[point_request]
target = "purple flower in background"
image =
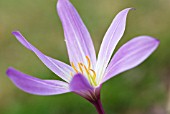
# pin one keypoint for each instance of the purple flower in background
(85, 75)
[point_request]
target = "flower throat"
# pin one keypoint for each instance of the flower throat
(86, 71)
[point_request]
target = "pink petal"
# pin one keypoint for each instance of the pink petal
(77, 37)
(36, 86)
(111, 38)
(59, 68)
(130, 55)
(82, 87)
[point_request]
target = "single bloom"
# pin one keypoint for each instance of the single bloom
(85, 74)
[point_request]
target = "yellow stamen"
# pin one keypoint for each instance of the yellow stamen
(72, 64)
(80, 67)
(94, 73)
(85, 70)
(89, 62)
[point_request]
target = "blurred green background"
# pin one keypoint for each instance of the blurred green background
(142, 90)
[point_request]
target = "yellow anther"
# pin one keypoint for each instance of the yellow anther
(94, 73)
(80, 67)
(87, 71)
(72, 64)
(89, 62)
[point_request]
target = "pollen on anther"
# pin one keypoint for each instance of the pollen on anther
(89, 62)
(72, 64)
(80, 67)
(94, 73)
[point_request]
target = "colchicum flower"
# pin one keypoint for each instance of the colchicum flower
(85, 75)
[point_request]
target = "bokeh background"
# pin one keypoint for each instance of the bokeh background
(142, 90)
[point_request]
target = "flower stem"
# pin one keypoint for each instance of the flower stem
(99, 106)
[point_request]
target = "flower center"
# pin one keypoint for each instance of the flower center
(86, 71)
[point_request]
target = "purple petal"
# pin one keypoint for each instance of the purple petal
(82, 87)
(36, 86)
(77, 37)
(79, 83)
(130, 55)
(59, 68)
(111, 38)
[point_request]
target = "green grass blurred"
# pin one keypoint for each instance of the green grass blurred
(142, 90)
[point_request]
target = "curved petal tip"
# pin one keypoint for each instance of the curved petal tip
(36, 86)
